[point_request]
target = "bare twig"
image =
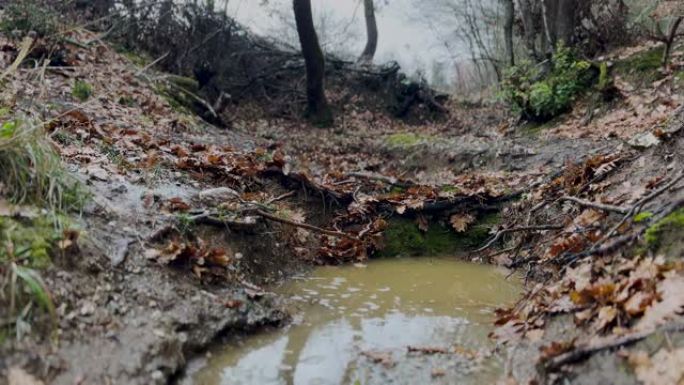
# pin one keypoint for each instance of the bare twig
(382, 178)
(152, 64)
(595, 205)
(583, 352)
(516, 230)
(639, 205)
(274, 218)
(281, 197)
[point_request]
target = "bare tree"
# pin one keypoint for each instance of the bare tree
(318, 109)
(371, 33)
(663, 25)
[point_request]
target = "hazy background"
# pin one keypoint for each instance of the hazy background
(407, 35)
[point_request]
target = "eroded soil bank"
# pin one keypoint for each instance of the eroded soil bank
(187, 223)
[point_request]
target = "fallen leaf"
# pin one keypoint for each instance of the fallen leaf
(460, 222)
(666, 367)
(606, 315)
(18, 376)
(638, 303)
(671, 303)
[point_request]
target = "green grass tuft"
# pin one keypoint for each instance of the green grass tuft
(81, 90)
(642, 68)
(406, 139)
(31, 172)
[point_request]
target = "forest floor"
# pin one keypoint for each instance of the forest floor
(184, 224)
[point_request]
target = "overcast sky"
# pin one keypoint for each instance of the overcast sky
(403, 37)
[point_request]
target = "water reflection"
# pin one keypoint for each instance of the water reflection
(383, 309)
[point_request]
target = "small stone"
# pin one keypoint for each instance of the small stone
(644, 140)
(87, 309)
(157, 375)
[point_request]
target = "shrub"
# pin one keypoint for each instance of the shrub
(542, 96)
(29, 15)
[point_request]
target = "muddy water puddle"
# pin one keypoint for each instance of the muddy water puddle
(398, 321)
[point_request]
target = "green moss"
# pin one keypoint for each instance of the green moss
(643, 217)
(667, 235)
(29, 241)
(604, 79)
(137, 58)
(406, 139)
(643, 67)
(450, 189)
(404, 238)
(81, 90)
(127, 101)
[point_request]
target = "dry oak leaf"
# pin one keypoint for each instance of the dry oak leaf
(461, 222)
(18, 376)
(637, 303)
(670, 305)
(665, 368)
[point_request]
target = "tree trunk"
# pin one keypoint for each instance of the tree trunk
(509, 15)
(371, 33)
(529, 30)
(549, 15)
(318, 110)
(565, 21)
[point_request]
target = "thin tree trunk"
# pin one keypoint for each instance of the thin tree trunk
(371, 33)
(318, 109)
(509, 15)
(670, 39)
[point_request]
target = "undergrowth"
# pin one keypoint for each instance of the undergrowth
(35, 194)
(540, 96)
(29, 16)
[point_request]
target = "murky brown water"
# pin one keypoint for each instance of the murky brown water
(354, 325)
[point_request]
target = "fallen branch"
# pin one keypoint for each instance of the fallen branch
(382, 178)
(600, 248)
(589, 349)
(279, 198)
(595, 205)
(515, 230)
(305, 226)
(638, 206)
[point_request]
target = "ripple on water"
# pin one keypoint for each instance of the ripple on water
(358, 323)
